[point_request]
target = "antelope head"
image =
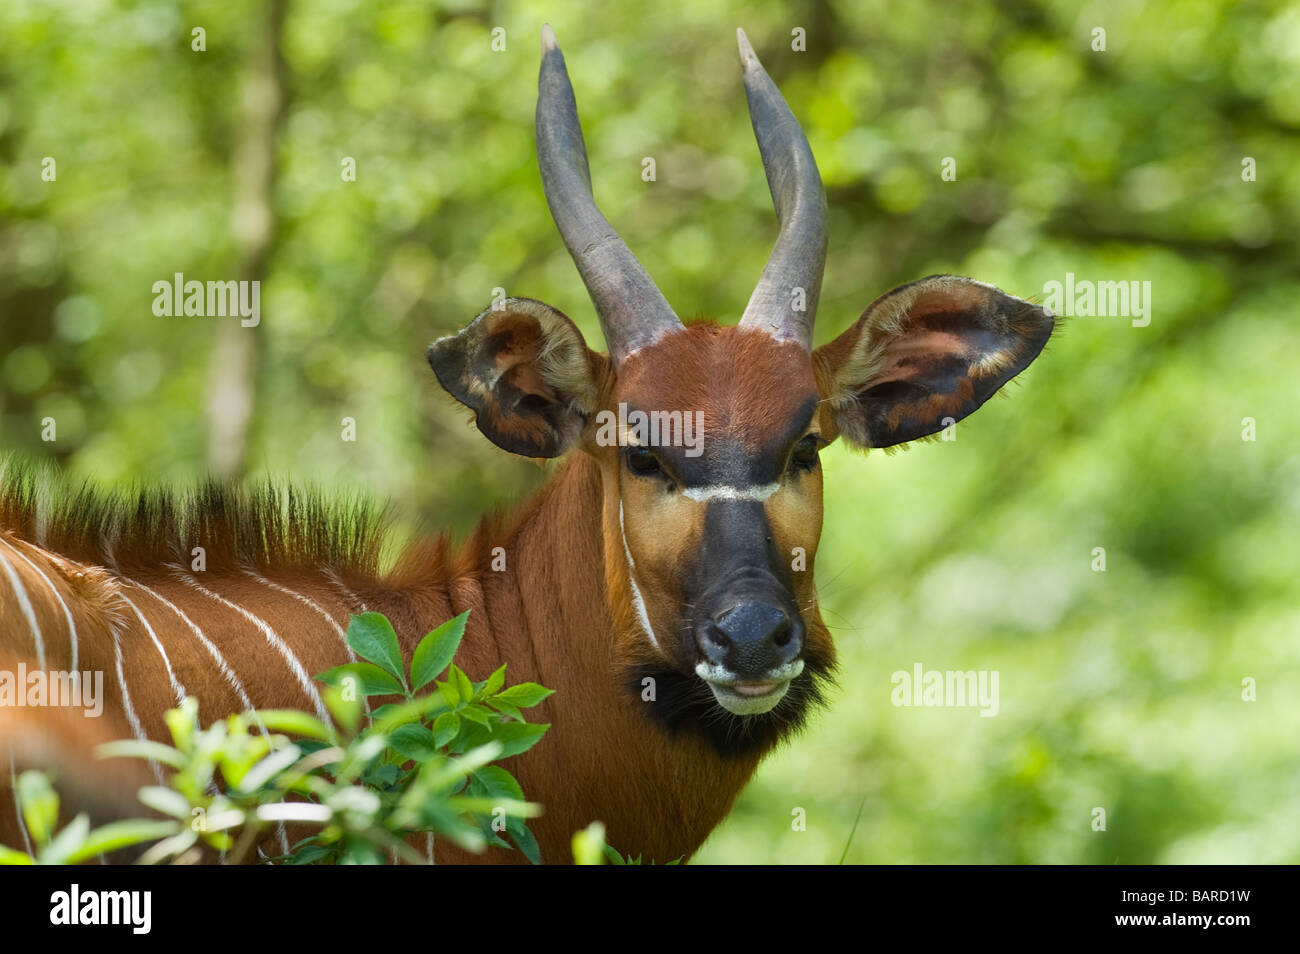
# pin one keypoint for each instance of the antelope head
(711, 530)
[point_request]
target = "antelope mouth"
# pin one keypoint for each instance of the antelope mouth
(752, 696)
(749, 698)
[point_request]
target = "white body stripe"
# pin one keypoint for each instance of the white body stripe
(220, 660)
(637, 602)
(131, 716)
(167, 663)
(348, 596)
(67, 613)
(25, 604)
(728, 492)
(304, 681)
(343, 636)
(224, 668)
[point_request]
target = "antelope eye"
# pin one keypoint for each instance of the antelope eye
(641, 460)
(805, 453)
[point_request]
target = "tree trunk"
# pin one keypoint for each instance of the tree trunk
(233, 387)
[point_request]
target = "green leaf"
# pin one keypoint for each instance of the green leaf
(141, 749)
(182, 722)
(165, 800)
(479, 803)
(464, 688)
(170, 847)
(219, 840)
(268, 768)
(344, 707)
(525, 842)
(450, 694)
(505, 709)
(435, 775)
(452, 827)
(493, 683)
(384, 776)
(413, 711)
(516, 737)
(471, 737)
(66, 842)
(371, 680)
(477, 713)
(436, 651)
(123, 834)
(10, 857)
(358, 852)
(237, 759)
(525, 695)
(365, 749)
(295, 723)
(372, 637)
(413, 741)
(614, 857)
(445, 728)
(310, 855)
(496, 782)
(589, 845)
(40, 806)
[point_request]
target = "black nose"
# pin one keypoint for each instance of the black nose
(750, 638)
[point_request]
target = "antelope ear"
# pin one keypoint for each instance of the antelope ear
(526, 372)
(926, 355)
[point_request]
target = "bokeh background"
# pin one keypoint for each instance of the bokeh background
(1119, 689)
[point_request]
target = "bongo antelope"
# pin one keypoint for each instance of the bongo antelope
(666, 596)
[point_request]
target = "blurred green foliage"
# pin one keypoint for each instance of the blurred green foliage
(1119, 689)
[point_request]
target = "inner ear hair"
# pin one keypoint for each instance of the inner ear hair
(526, 372)
(927, 353)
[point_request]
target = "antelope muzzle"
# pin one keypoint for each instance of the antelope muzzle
(747, 632)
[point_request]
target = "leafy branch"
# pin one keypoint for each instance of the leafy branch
(420, 765)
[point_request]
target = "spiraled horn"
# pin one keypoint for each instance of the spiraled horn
(633, 312)
(799, 256)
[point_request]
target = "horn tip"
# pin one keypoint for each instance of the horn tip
(747, 55)
(549, 42)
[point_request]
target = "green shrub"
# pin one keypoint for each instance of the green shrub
(365, 783)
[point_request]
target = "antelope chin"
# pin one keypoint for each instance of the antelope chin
(749, 698)
(752, 696)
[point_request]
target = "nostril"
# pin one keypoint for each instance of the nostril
(713, 634)
(713, 642)
(755, 624)
(783, 631)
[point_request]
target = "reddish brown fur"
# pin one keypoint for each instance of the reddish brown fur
(603, 760)
(559, 614)
(750, 387)
(746, 384)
